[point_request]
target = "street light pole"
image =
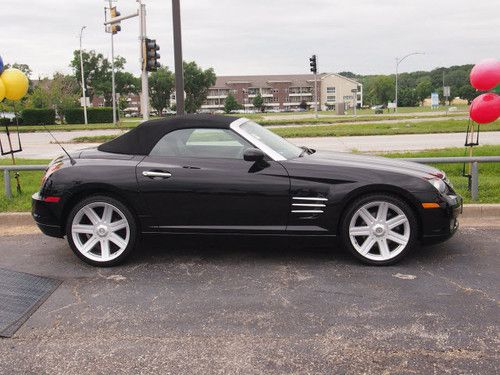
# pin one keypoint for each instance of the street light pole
(179, 69)
(83, 79)
(398, 61)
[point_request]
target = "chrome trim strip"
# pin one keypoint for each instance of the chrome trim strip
(310, 199)
(236, 127)
(309, 204)
(307, 211)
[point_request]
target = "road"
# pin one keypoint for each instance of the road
(221, 306)
(39, 146)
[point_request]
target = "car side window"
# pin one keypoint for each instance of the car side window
(201, 143)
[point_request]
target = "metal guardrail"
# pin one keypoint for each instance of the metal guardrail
(8, 168)
(475, 160)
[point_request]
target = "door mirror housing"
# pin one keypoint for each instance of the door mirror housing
(253, 154)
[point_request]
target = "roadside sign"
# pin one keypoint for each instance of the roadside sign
(434, 99)
(446, 91)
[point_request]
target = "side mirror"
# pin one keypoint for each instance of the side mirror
(253, 154)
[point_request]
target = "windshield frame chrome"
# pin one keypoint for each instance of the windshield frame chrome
(236, 127)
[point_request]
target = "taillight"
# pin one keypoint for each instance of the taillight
(50, 170)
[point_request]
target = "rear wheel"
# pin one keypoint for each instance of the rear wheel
(101, 231)
(379, 229)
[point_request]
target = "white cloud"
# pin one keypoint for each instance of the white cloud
(252, 37)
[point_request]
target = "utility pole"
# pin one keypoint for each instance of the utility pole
(144, 72)
(83, 79)
(179, 69)
(113, 90)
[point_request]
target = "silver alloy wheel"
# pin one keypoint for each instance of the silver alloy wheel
(379, 231)
(100, 231)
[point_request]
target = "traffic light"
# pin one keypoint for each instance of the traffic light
(313, 64)
(151, 55)
(115, 27)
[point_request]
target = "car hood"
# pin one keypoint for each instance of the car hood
(345, 159)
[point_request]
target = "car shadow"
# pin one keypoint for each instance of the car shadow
(160, 249)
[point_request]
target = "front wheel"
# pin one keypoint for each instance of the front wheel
(379, 229)
(101, 231)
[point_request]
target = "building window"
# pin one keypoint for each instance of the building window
(276, 91)
(330, 98)
(330, 90)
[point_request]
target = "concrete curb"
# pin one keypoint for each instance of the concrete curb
(490, 212)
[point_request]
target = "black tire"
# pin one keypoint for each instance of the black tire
(132, 237)
(379, 197)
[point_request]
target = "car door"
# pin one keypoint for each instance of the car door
(195, 180)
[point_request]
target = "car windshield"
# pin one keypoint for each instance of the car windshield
(272, 140)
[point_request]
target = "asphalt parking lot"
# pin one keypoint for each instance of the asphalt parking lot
(213, 306)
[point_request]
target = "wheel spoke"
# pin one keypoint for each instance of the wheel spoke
(105, 252)
(91, 214)
(107, 214)
(366, 216)
(367, 245)
(83, 229)
(117, 225)
(396, 221)
(120, 242)
(382, 211)
(396, 237)
(89, 245)
(359, 231)
(384, 248)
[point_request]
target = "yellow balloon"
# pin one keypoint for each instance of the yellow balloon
(2, 90)
(16, 83)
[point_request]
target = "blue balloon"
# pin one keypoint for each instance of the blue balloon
(1, 65)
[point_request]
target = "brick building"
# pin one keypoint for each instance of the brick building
(285, 92)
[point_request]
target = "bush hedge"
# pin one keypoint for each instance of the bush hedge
(5, 121)
(36, 116)
(101, 115)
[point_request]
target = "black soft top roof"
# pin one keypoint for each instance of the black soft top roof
(142, 139)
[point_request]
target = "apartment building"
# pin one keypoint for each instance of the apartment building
(285, 92)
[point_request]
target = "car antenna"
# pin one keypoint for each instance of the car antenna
(72, 161)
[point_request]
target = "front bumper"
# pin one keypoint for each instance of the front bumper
(440, 224)
(46, 216)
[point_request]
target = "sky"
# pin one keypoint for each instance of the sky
(260, 36)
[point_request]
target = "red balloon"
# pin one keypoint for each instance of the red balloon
(485, 75)
(485, 108)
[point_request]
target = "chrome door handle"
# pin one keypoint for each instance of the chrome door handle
(153, 174)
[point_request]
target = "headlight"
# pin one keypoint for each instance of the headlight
(438, 184)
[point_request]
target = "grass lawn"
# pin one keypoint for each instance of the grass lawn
(489, 177)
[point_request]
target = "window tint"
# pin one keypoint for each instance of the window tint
(201, 143)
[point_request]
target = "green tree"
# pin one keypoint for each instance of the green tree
(381, 89)
(467, 92)
(258, 102)
(97, 72)
(407, 98)
(196, 84)
(64, 93)
(231, 104)
(161, 85)
(126, 83)
(39, 98)
(424, 89)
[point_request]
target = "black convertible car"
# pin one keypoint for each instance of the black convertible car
(203, 174)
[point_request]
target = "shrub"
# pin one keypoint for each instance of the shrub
(94, 115)
(35, 116)
(100, 115)
(4, 121)
(74, 116)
